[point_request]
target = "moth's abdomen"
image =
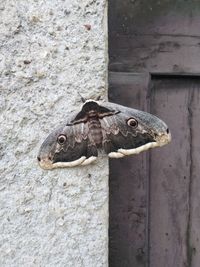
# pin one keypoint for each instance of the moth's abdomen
(95, 131)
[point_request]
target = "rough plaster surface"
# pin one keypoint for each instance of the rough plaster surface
(47, 56)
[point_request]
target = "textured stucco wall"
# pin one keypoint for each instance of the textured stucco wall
(47, 56)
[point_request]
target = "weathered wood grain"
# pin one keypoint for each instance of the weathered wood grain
(194, 201)
(158, 37)
(154, 36)
(128, 184)
(170, 175)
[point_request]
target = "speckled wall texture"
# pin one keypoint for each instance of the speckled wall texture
(49, 52)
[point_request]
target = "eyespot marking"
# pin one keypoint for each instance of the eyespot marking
(61, 139)
(132, 122)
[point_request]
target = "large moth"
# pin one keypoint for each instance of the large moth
(110, 128)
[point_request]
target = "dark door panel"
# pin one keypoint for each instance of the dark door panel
(128, 241)
(154, 200)
(175, 173)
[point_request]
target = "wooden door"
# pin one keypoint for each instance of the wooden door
(155, 196)
(154, 65)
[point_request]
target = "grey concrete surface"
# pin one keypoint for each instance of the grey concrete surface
(49, 52)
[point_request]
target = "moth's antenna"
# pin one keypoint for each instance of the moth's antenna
(82, 98)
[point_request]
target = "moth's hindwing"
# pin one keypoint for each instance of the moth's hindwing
(75, 150)
(117, 130)
(132, 131)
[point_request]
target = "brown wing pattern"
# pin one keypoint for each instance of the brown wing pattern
(75, 150)
(119, 130)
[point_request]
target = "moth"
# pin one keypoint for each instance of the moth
(108, 128)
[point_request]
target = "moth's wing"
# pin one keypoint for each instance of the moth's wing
(76, 150)
(120, 139)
